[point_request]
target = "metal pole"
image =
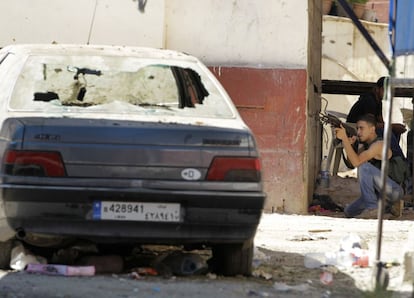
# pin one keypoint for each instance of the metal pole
(365, 33)
(381, 273)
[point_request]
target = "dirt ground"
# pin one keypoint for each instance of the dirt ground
(344, 189)
(323, 234)
(282, 244)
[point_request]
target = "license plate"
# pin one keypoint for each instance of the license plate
(160, 212)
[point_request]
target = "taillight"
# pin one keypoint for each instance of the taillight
(33, 163)
(234, 169)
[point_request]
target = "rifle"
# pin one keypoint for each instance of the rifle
(336, 122)
(350, 132)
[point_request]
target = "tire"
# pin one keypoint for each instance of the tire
(5, 253)
(233, 259)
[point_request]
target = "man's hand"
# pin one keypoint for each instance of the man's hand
(340, 132)
(342, 135)
(352, 139)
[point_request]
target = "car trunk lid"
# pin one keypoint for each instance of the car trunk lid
(132, 149)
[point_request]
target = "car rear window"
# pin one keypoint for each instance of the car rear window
(116, 85)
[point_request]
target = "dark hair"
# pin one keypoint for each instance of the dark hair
(369, 118)
(380, 82)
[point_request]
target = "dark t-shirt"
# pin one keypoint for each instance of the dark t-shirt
(366, 104)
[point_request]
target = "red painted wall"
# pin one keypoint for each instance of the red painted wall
(273, 104)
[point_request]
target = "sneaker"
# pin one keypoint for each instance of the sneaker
(372, 214)
(397, 209)
(368, 214)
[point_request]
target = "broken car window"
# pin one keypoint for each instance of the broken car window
(82, 84)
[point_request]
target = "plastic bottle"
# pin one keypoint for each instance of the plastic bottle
(358, 247)
(318, 259)
(343, 259)
(351, 241)
(362, 258)
(324, 172)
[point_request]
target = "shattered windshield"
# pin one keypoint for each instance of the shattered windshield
(109, 84)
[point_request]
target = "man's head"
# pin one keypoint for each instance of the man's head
(366, 126)
(379, 88)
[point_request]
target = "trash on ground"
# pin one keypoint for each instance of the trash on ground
(259, 273)
(351, 241)
(351, 252)
(325, 203)
(54, 269)
(21, 257)
(392, 264)
(317, 209)
(320, 231)
(358, 248)
(342, 259)
(326, 277)
(331, 269)
(181, 263)
(135, 275)
(282, 287)
(211, 275)
(307, 237)
(138, 272)
(259, 257)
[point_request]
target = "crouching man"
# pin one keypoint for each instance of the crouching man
(368, 162)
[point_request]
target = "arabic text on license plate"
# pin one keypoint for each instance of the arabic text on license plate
(162, 212)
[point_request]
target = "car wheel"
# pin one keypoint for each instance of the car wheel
(233, 259)
(5, 253)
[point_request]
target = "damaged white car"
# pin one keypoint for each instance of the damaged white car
(120, 145)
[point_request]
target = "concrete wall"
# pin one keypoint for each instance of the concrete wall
(81, 21)
(240, 33)
(265, 53)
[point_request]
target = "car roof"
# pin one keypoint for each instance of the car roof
(76, 49)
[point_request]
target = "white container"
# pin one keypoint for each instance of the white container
(318, 259)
